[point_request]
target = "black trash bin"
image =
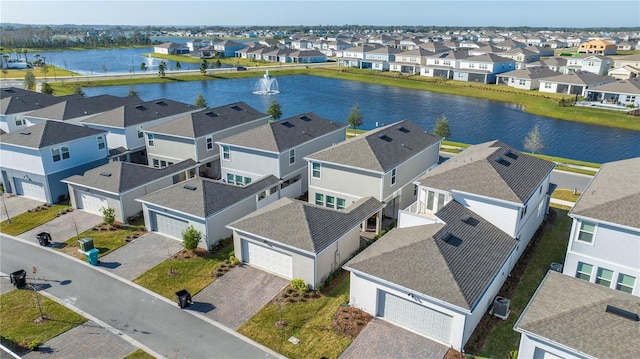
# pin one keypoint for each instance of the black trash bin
(184, 298)
(19, 278)
(44, 238)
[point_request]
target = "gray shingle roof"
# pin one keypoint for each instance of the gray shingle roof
(456, 271)
(491, 58)
(208, 197)
(379, 150)
(80, 107)
(284, 134)
(580, 78)
(48, 133)
(24, 101)
(209, 120)
(572, 312)
(139, 112)
(533, 72)
(476, 170)
(118, 177)
(305, 225)
(13, 91)
(629, 86)
(613, 195)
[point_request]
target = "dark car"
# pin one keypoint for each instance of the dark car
(241, 68)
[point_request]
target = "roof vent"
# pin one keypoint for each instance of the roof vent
(623, 313)
(404, 130)
(287, 124)
(141, 108)
(237, 108)
(105, 174)
(510, 154)
(25, 133)
(385, 138)
(305, 118)
(502, 161)
(190, 187)
(446, 236)
(211, 114)
(161, 103)
(466, 219)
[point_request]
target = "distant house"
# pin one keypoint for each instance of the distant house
(379, 59)
(596, 64)
(171, 48)
(228, 48)
(597, 47)
(623, 93)
(527, 78)
(16, 102)
(574, 83)
(558, 64)
(306, 57)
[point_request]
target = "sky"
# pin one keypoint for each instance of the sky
(533, 13)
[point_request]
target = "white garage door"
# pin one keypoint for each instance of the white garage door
(267, 259)
(33, 190)
(169, 226)
(415, 317)
(90, 202)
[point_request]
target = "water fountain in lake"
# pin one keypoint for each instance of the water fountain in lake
(150, 61)
(267, 85)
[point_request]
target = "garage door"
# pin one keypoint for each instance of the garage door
(169, 226)
(411, 315)
(30, 189)
(267, 259)
(90, 202)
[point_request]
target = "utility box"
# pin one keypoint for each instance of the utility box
(85, 244)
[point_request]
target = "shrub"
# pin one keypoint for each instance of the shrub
(108, 215)
(234, 260)
(190, 238)
(299, 284)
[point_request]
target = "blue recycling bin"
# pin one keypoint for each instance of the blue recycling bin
(92, 256)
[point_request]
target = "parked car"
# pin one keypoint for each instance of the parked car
(241, 68)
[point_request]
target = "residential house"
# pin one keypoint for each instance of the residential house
(558, 64)
(509, 44)
(380, 58)
(126, 125)
(194, 135)
(228, 48)
(483, 68)
(353, 57)
(171, 48)
(434, 47)
(605, 235)
(118, 184)
(296, 239)
(626, 67)
(596, 64)
(632, 60)
(207, 205)
(574, 83)
(597, 47)
(15, 103)
(35, 159)
(556, 44)
(443, 64)
(382, 163)
(527, 78)
(521, 56)
(306, 57)
(570, 318)
(488, 49)
(278, 149)
(621, 93)
(410, 61)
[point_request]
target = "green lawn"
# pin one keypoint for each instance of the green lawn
(51, 74)
(18, 312)
(106, 241)
(30, 220)
(551, 248)
(139, 354)
(192, 273)
(308, 321)
(566, 194)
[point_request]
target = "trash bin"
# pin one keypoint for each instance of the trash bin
(92, 256)
(19, 278)
(184, 298)
(43, 238)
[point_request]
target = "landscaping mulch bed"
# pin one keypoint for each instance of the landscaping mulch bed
(349, 321)
(186, 254)
(454, 354)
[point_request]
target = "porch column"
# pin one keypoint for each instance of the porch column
(379, 222)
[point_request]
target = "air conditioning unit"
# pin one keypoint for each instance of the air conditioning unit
(501, 308)
(556, 267)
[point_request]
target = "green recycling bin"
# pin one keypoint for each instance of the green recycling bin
(92, 256)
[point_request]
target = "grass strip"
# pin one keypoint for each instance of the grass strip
(29, 220)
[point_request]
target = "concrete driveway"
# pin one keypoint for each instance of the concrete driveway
(16, 205)
(236, 296)
(380, 339)
(64, 227)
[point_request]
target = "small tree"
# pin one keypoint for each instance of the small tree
(143, 67)
(274, 110)
(203, 66)
(108, 215)
(46, 88)
(45, 69)
(162, 69)
(442, 127)
(534, 142)
(77, 90)
(200, 101)
(29, 81)
(105, 68)
(190, 238)
(178, 66)
(355, 118)
(218, 63)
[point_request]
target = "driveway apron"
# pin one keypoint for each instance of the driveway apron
(16, 205)
(65, 226)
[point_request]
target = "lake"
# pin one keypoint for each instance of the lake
(471, 120)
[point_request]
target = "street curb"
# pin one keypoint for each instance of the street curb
(154, 294)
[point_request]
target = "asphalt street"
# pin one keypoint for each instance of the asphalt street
(154, 322)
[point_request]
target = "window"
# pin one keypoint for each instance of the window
(60, 153)
(547, 85)
(292, 156)
(140, 133)
(151, 140)
(156, 163)
(440, 200)
(523, 82)
(393, 176)
(415, 190)
(483, 66)
(585, 233)
(247, 180)
(331, 201)
(239, 180)
(19, 120)
(101, 143)
(626, 283)
(226, 153)
(209, 141)
(315, 172)
(342, 203)
(584, 271)
(163, 164)
(230, 178)
(430, 197)
(604, 277)
(319, 199)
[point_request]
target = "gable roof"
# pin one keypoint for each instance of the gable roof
(456, 271)
(208, 197)
(284, 134)
(83, 106)
(14, 101)
(532, 73)
(118, 177)
(613, 195)
(476, 170)
(305, 225)
(381, 149)
(580, 77)
(140, 112)
(48, 133)
(209, 120)
(491, 58)
(629, 86)
(571, 312)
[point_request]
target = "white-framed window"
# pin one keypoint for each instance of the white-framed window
(60, 153)
(151, 140)
(523, 82)
(247, 180)
(331, 202)
(101, 142)
(319, 199)
(483, 66)
(209, 141)
(140, 133)
(156, 163)
(19, 120)
(540, 208)
(393, 176)
(163, 163)
(239, 180)
(315, 169)
(586, 231)
(584, 271)
(231, 178)
(547, 85)
(415, 190)
(604, 277)
(226, 153)
(625, 283)
(341, 204)
(292, 156)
